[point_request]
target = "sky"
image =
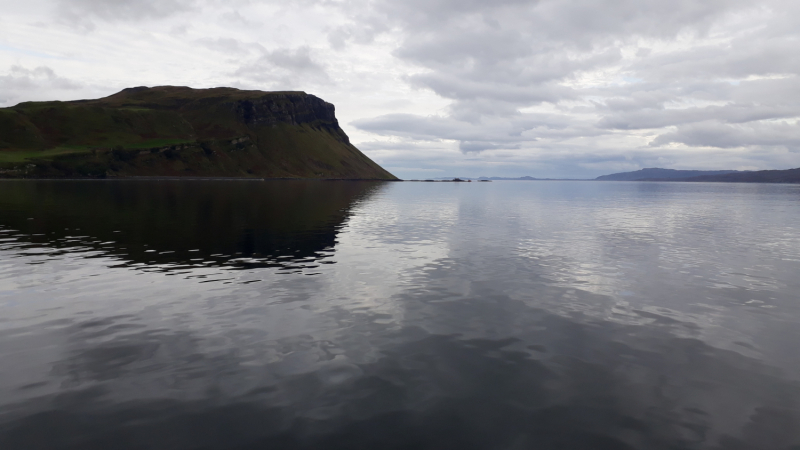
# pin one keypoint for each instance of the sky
(437, 88)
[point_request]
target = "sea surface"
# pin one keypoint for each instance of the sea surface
(365, 315)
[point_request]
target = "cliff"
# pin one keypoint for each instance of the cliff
(179, 131)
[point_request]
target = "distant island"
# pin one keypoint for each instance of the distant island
(170, 131)
(525, 178)
(658, 174)
(719, 176)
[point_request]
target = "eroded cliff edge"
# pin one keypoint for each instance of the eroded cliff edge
(180, 131)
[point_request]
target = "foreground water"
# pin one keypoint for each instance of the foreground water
(315, 315)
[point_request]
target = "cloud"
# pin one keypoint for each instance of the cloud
(543, 77)
(721, 135)
(235, 18)
(79, 13)
(752, 54)
(730, 113)
(491, 133)
(229, 46)
(284, 68)
(42, 79)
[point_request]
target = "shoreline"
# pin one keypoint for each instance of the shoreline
(159, 178)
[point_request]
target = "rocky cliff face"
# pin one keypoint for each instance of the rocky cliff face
(202, 132)
(292, 109)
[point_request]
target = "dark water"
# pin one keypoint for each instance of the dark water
(346, 315)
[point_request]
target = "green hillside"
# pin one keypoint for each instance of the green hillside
(179, 131)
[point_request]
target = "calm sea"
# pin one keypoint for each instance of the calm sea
(359, 315)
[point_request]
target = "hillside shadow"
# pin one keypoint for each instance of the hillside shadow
(178, 224)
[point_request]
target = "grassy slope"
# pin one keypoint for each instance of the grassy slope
(169, 131)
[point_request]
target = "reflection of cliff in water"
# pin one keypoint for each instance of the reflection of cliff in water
(184, 223)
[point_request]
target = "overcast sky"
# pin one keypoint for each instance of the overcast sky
(428, 88)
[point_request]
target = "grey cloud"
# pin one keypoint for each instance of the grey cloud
(569, 160)
(490, 74)
(731, 113)
(479, 146)
(715, 134)
(585, 21)
(285, 68)
(79, 13)
(237, 19)
(464, 89)
(493, 59)
(511, 66)
(555, 18)
(739, 59)
(635, 101)
(230, 46)
(298, 60)
(509, 133)
(467, 45)
(777, 91)
(364, 33)
(180, 30)
(418, 127)
(23, 83)
(654, 95)
(579, 24)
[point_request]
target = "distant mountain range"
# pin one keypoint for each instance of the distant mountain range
(656, 173)
(518, 178)
(525, 178)
(720, 176)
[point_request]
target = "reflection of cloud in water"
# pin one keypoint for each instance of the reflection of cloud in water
(561, 383)
(616, 238)
(381, 244)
